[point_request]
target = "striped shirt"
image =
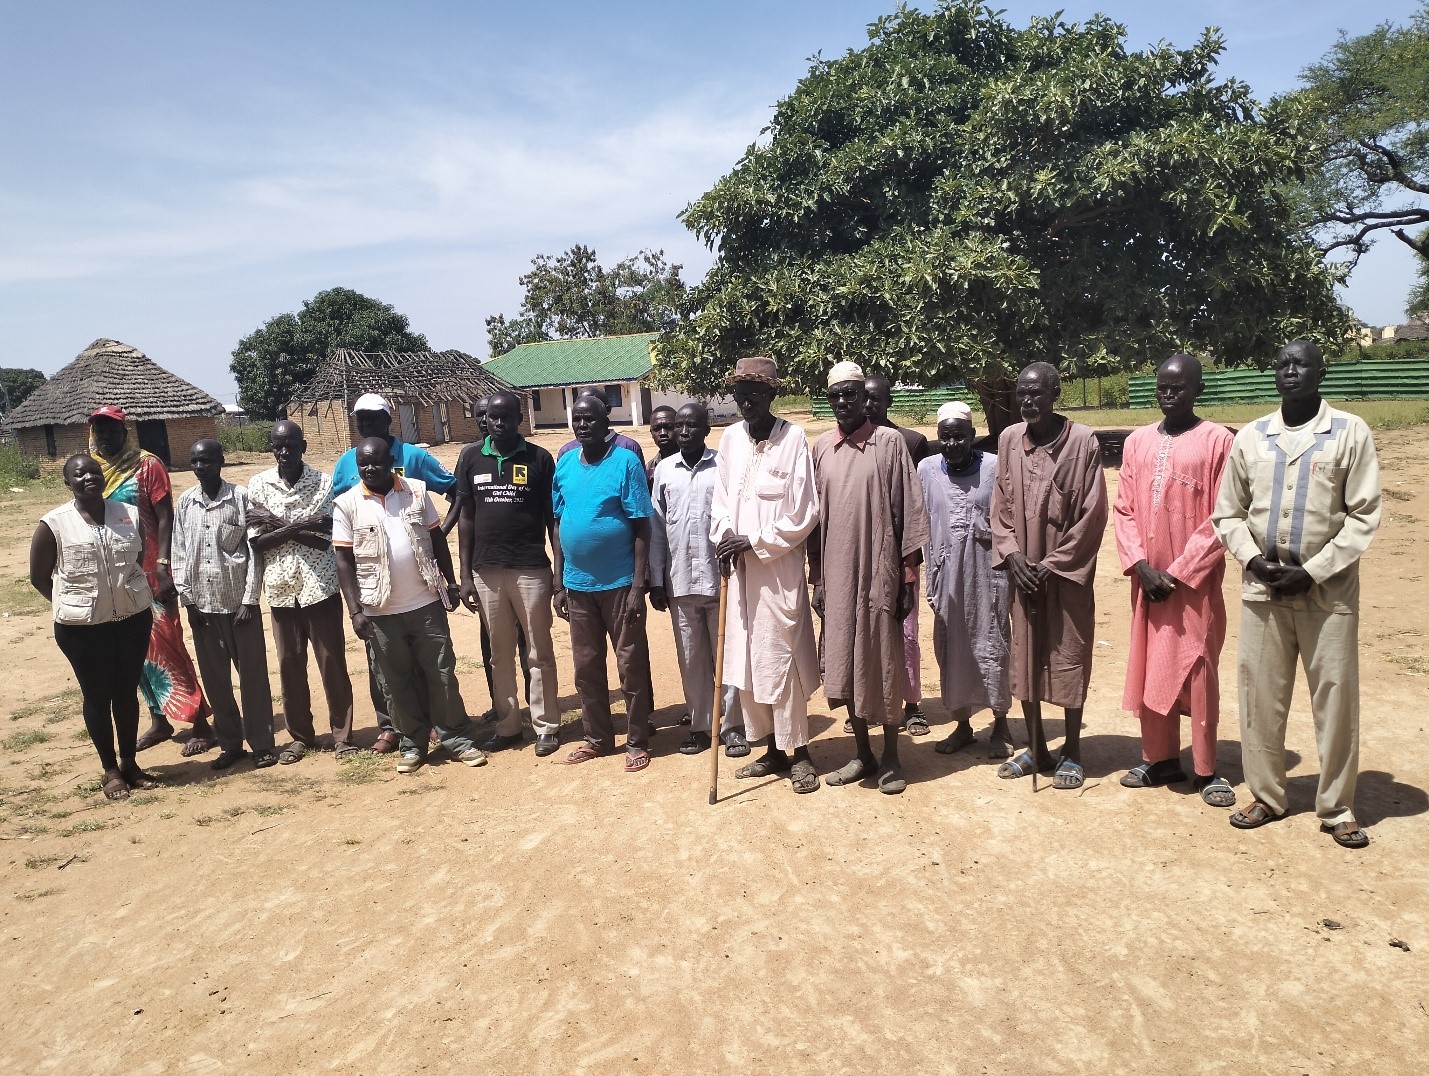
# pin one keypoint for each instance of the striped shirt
(214, 569)
(1305, 495)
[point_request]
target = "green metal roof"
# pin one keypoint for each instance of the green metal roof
(592, 361)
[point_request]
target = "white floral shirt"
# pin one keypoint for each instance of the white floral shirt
(295, 574)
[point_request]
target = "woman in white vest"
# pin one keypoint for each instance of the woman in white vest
(87, 558)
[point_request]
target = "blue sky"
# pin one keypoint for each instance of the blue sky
(174, 174)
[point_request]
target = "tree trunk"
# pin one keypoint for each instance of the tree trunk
(999, 404)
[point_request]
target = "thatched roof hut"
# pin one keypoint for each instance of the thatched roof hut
(432, 393)
(166, 409)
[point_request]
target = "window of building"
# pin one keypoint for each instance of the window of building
(50, 449)
(614, 397)
(466, 409)
(536, 400)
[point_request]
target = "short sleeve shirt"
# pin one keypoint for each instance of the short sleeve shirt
(409, 590)
(597, 505)
(408, 461)
(511, 501)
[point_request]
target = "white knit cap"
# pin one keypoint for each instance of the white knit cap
(845, 371)
(370, 401)
(954, 409)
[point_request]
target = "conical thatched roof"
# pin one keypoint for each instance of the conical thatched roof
(108, 372)
(412, 376)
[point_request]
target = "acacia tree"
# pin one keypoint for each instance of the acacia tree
(16, 384)
(1369, 96)
(572, 295)
(286, 350)
(961, 197)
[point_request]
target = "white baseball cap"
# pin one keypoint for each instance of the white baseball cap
(370, 401)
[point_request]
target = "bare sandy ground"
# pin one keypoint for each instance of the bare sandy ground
(531, 918)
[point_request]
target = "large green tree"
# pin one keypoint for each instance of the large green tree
(17, 384)
(962, 196)
(1369, 96)
(1418, 304)
(284, 352)
(572, 295)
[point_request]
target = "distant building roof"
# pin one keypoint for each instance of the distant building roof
(109, 372)
(592, 361)
(413, 376)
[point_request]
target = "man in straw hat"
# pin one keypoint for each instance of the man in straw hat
(872, 529)
(1049, 511)
(765, 507)
(972, 637)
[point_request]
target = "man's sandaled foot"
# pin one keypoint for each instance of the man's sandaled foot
(955, 741)
(852, 772)
(344, 751)
(766, 765)
(1154, 774)
(915, 722)
(1068, 774)
(997, 747)
(695, 743)
(635, 761)
(803, 777)
(263, 759)
(115, 787)
(134, 777)
(890, 780)
(226, 759)
(294, 752)
(1253, 817)
(386, 742)
(1215, 791)
(735, 745)
(584, 753)
(1347, 834)
(1021, 766)
(197, 745)
(153, 737)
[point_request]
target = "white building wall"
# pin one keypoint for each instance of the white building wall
(722, 409)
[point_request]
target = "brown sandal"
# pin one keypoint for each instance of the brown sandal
(635, 761)
(584, 753)
(1253, 817)
(386, 742)
(115, 787)
(1348, 834)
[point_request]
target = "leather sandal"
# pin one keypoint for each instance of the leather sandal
(1253, 817)
(386, 742)
(1347, 834)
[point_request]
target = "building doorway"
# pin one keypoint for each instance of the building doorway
(154, 437)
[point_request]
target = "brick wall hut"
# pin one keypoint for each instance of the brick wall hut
(431, 392)
(168, 413)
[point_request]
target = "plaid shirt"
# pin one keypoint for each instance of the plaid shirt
(214, 569)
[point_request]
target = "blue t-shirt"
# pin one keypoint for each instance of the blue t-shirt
(408, 461)
(597, 506)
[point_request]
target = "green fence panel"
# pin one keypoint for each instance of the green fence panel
(916, 402)
(1369, 380)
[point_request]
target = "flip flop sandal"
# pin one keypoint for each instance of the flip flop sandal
(344, 751)
(1068, 774)
(153, 739)
(197, 745)
(294, 752)
(584, 753)
(116, 788)
(1253, 817)
(635, 761)
(1347, 834)
(803, 777)
(1216, 791)
(760, 767)
(851, 773)
(1152, 775)
(891, 782)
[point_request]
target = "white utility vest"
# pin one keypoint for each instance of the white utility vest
(99, 573)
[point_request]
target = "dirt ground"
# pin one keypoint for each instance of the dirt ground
(530, 918)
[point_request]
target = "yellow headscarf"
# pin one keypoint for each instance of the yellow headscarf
(124, 463)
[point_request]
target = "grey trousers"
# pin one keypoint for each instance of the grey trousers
(418, 646)
(595, 617)
(695, 619)
(221, 644)
(516, 602)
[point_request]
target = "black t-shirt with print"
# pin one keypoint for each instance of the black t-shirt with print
(511, 499)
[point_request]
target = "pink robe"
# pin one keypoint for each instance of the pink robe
(1162, 515)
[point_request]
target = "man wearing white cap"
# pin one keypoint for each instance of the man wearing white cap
(872, 528)
(972, 636)
(373, 416)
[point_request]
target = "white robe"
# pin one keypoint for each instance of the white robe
(766, 492)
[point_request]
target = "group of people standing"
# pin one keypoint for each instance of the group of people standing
(842, 530)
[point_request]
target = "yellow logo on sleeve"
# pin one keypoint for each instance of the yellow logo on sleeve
(518, 474)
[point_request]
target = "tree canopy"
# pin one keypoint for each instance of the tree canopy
(572, 296)
(284, 352)
(16, 385)
(1418, 304)
(1369, 96)
(961, 197)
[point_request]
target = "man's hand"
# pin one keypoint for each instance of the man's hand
(560, 604)
(658, 600)
(732, 546)
(469, 596)
(818, 600)
(196, 619)
(260, 517)
(907, 598)
(362, 627)
(1027, 576)
(1267, 571)
(245, 614)
(1156, 584)
(1292, 580)
(165, 591)
(635, 605)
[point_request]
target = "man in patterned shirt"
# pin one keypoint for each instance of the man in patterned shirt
(216, 577)
(290, 519)
(1298, 507)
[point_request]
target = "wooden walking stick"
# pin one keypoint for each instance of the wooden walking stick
(718, 719)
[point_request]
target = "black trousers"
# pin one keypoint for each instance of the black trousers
(108, 662)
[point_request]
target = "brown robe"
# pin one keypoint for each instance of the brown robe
(1050, 504)
(872, 523)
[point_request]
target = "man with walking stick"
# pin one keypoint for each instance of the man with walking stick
(1049, 512)
(765, 507)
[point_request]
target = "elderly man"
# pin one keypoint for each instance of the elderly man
(290, 524)
(1049, 513)
(765, 508)
(373, 416)
(872, 529)
(880, 399)
(1298, 508)
(685, 577)
(1170, 474)
(216, 575)
(602, 508)
(972, 637)
(504, 487)
(396, 577)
